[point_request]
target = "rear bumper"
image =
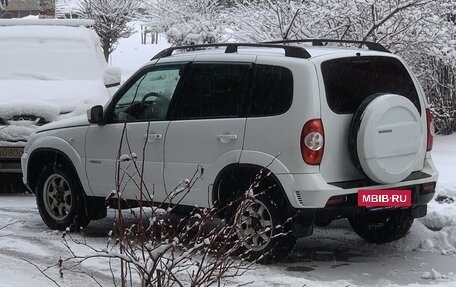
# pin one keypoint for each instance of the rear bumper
(329, 213)
(305, 218)
(311, 191)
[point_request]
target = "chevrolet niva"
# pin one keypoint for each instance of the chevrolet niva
(323, 121)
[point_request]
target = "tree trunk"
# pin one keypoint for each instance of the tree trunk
(106, 51)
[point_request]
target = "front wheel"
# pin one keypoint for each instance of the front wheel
(382, 228)
(59, 199)
(265, 234)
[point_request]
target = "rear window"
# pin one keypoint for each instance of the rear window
(348, 81)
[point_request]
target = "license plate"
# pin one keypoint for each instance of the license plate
(11, 152)
(384, 198)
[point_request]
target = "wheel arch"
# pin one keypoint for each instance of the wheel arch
(242, 172)
(41, 157)
(52, 143)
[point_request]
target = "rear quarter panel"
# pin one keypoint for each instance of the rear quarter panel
(275, 140)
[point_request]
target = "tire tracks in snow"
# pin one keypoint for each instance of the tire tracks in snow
(27, 238)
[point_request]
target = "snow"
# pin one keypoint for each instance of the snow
(130, 54)
(34, 21)
(50, 72)
(124, 157)
(50, 53)
(112, 75)
(67, 8)
(332, 256)
(16, 135)
(61, 96)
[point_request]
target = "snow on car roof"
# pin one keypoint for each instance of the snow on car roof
(47, 22)
(63, 34)
(50, 53)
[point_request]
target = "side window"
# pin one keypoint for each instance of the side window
(214, 91)
(272, 91)
(148, 98)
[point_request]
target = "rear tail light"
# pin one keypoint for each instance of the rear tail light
(428, 188)
(430, 130)
(312, 142)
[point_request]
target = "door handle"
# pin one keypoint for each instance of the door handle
(227, 138)
(153, 137)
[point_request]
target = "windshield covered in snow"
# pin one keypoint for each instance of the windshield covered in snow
(49, 54)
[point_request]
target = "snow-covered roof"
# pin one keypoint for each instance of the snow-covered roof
(28, 35)
(50, 53)
(47, 22)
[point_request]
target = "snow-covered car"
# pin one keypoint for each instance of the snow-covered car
(49, 70)
(326, 124)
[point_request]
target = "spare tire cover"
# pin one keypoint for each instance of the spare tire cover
(386, 137)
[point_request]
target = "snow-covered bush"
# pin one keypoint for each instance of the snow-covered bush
(67, 9)
(112, 20)
(440, 84)
(186, 22)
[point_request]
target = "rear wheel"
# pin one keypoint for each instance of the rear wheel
(263, 229)
(59, 199)
(383, 227)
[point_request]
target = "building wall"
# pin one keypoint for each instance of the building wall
(23, 5)
(22, 8)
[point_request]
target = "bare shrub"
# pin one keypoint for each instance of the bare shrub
(162, 248)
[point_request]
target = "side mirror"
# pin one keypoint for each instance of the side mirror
(111, 77)
(95, 115)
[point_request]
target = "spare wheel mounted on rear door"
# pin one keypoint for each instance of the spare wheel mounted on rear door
(386, 138)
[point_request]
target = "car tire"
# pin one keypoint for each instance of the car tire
(263, 230)
(59, 199)
(383, 227)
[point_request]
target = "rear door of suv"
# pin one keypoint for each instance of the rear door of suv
(345, 83)
(207, 130)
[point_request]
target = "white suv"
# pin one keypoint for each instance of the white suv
(321, 122)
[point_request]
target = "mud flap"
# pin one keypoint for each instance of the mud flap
(418, 211)
(300, 230)
(95, 207)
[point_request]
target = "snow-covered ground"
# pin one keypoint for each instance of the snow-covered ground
(332, 256)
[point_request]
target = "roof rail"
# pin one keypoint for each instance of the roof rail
(320, 42)
(290, 51)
